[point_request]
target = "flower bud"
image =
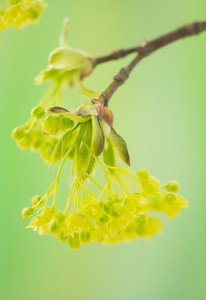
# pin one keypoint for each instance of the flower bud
(151, 186)
(62, 237)
(100, 110)
(143, 175)
(38, 112)
(131, 204)
(172, 186)
(37, 201)
(51, 125)
(104, 219)
(108, 116)
(171, 198)
(54, 227)
(37, 143)
(85, 237)
(74, 242)
(114, 227)
(108, 207)
(26, 141)
(17, 133)
(27, 212)
(60, 217)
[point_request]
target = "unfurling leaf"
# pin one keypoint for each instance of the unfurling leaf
(97, 136)
(108, 154)
(62, 146)
(84, 154)
(72, 116)
(120, 146)
(91, 165)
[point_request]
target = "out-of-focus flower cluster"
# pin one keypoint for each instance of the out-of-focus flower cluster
(20, 13)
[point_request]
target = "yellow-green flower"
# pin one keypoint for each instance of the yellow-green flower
(67, 65)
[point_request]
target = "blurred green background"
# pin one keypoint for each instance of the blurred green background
(160, 111)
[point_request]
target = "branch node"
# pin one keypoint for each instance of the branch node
(122, 76)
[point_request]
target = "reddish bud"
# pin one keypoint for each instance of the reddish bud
(108, 117)
(100, 110)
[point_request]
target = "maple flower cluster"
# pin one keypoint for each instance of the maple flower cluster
(20, 13)
(128, 204)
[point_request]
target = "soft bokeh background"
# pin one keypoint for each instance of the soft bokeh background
(161, 113)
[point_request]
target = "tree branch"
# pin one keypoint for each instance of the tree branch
(143, 51)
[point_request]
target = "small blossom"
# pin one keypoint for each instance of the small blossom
(67, 65)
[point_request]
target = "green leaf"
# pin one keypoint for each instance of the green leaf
(62, 111)
(87, 161)
(91, 165)
(97, 136)
(83, 151)
(62, 146)
(108, 154)
(120, 146)
(57, 153)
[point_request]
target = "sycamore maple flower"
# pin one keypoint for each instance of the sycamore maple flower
(20, 13)
(127, 204)
(67, 66)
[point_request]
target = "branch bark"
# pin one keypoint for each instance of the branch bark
(143, 51)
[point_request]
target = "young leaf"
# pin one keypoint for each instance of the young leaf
(108, 154)
(91, 165)
(72, 116)
(83, 151)
(97, 136)
(120, 146)
(62, 146)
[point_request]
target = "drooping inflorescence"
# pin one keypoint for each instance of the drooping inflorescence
(120, 211)
(128, 204)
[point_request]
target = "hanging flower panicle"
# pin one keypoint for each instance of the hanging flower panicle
(126, 205)
(20, 13)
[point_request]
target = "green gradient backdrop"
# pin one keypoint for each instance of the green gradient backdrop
(160, 112)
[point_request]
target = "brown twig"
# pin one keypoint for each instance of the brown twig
(143, 51)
